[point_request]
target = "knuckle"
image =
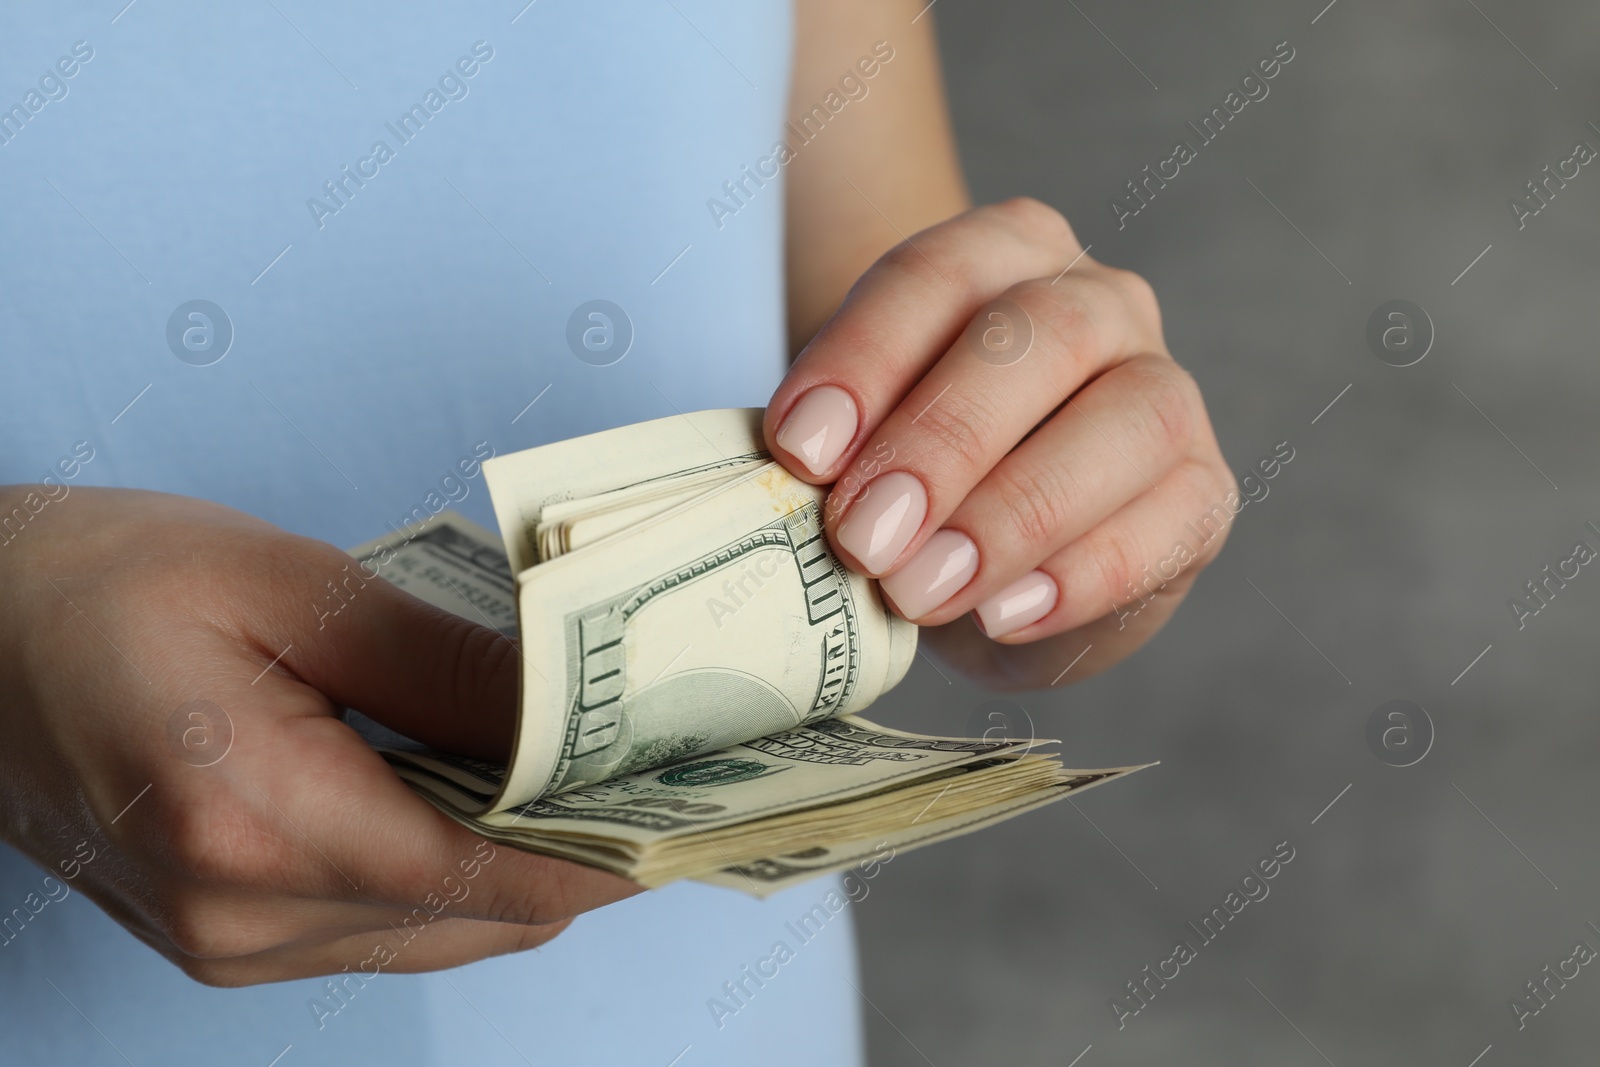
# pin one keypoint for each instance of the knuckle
(561, 896)
(1116, 562)
(1227, 484)
(1036, 503)
(903, 258)
(548, 899)
(1137, 289)
(1039, 221)
(1220, 486)
(219, 840)
(209, 973)
(533, 937)
(1170, 400)
(961, 430)
(407, 883)
(1070, 318)
(200, 927)
(921, 264)
(479, 661)
(1201, 482)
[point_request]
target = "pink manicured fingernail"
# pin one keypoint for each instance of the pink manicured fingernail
(936, 573)
(1024, 601)
(884, 519)
(819, 428)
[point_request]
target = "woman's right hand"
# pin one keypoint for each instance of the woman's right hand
(147, 635)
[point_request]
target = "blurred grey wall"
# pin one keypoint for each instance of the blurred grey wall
(1379, 567)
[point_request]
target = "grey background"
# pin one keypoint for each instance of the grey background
(1393, 541)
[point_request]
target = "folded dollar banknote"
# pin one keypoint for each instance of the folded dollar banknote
(694, 662)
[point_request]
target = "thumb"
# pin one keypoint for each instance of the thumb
(417, 669)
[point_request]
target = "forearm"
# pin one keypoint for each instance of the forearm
(882, 168)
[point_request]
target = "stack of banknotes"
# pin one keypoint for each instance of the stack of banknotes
(694, 662)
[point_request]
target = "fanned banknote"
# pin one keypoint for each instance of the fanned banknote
(694, 659)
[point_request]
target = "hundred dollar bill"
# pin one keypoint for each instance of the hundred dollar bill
(693, 661)
(828, 792)
(768, 874)
(716, 615)
(452, 563)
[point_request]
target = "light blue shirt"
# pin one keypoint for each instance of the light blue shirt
(392, 222)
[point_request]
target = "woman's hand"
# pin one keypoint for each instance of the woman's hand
(170, 745)
(1007, 435)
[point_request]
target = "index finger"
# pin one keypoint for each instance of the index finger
(898, 318)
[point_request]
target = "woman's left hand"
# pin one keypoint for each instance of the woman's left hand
(1007, 435)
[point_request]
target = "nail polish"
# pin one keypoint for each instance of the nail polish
(1022, 603)
(884, 519)
(938, 570)
(819, 428)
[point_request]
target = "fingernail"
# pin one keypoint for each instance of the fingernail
(884, 519)
(1024, 601)
(937, 572)
(819, 428)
